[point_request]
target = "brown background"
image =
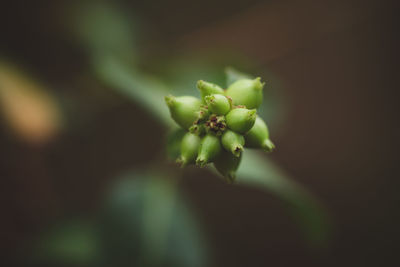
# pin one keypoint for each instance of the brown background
(338, 63)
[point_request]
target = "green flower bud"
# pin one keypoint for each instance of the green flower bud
(215, 125)
(210, 147)
(218, 104)
(227, 164)
(197, 129)
(203, 113)
(241, 120)
(184, 109)
(189, 148)
(233, 142)
(258, 136)
(246, 92)
(207, 88)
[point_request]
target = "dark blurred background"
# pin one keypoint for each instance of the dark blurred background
(331, 69)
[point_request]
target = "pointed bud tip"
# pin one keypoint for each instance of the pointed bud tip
(268, 146)
(209, 99)
(193, 129)
(201, 162)
(181, 162)
(170, 100)
(237, 150)
(200, 84)
(252, 112)
(258, 84)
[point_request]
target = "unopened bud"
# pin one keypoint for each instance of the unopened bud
(197, 129)
(246, 92)
(184, 109)
(207, 88)
(258, 136)
(233, 142)
(227, 164)
(203, 113)
(218, 104)
(189, 148)
(241, 120)
(210, 147)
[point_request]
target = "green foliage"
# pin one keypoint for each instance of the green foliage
(233, 75)
(104, 29)
(73, 243)
(143, 89)
(121, 73)
(146, 222)
(257, 171)
(173, 143)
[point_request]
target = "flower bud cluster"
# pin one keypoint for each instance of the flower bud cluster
(220, 124)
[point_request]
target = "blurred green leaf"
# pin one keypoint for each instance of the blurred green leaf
(148, 223)
(121, 74)
(263, 175)
(145, 222)
(105, 28)
(182, 74)
(257, 171)
(73, 243)
(145, 90)
(233, 75)
(173, 143)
